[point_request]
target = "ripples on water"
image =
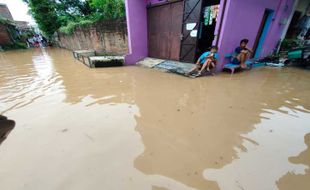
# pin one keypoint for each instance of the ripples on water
(134, 128)
(25, 80)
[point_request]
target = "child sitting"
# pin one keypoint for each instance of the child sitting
(206, 61)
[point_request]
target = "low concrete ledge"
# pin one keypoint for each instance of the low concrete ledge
(104, 61)
(93, 59)
(78, 53)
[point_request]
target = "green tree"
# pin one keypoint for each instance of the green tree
(50, 15)
(73, 10)
(44, 13)
(75, 7)
(109, 9)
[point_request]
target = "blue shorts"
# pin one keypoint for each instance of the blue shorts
(235, 61)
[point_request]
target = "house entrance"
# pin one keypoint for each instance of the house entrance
(208, 21)
(164, 30)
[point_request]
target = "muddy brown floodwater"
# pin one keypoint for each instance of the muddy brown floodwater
(137, 129)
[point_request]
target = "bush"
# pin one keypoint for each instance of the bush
(71, 26)
(66, 15)
(16, 45)
(21, 45)
(85, 23)
(110, 9)
(5, 21)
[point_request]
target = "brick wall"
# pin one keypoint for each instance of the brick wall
(4, 36)
(104, 36)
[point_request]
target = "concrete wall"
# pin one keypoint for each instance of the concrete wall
(104, 36)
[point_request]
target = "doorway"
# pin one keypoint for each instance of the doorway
(292, 31)
(262, 32)
(200, 36)
(164, 30)
(207, 26)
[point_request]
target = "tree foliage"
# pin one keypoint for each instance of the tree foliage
(67, 14)
(110, 9)
(44, 12)
(73, 10)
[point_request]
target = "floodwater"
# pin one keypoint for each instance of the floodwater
(133, 128)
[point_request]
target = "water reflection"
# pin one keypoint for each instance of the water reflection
(25, 77)
(263, 158)
(198, 125)
(134, 128)
(292, 180)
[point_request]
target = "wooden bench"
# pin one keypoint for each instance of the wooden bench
(232, 67)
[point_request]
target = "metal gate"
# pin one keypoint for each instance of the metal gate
(191, 20)
(164, 30)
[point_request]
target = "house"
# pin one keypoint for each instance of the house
(11, 31)
(8, 32)
(182, 29)
(5, 12)
(5, 24)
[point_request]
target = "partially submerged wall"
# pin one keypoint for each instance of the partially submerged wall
(103, 36)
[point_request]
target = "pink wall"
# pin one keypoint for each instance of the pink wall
(277, 29)
(136, 16)
(137, 31)
(242, 20)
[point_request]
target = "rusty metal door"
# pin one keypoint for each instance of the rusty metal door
(191, 20)
(164, 30)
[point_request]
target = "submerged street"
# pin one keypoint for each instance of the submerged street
(141, 129)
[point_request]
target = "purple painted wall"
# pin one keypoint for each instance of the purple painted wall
(137, 31)
(284, 11)
(242, 20)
